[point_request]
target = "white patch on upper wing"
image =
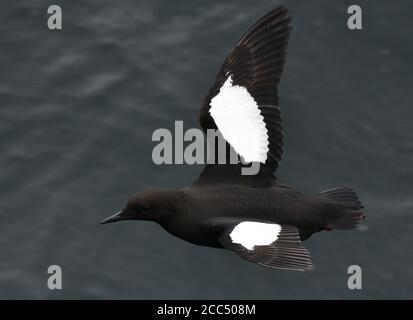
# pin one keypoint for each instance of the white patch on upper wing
(239, 119)
(250, 234)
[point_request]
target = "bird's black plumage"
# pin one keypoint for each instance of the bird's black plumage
(259, 219)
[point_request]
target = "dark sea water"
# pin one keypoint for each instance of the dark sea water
(77, 112)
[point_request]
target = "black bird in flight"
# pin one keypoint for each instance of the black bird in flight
(259, 219)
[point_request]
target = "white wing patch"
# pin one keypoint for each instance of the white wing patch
(250, 234)
(239, 119)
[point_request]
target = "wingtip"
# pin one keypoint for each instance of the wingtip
(282, 9)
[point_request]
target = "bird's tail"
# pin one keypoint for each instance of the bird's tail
(348, 214)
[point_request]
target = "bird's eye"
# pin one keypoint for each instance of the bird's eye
(146, 208)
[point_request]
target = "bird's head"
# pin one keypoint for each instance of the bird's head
(153, 205)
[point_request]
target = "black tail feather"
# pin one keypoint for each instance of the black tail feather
(348, 214)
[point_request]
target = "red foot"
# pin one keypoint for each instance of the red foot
(328, 228)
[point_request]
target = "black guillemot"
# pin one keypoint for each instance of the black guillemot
(253, 215)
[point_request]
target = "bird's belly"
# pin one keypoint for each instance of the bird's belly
(195, 234)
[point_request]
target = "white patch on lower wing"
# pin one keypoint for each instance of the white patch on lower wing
(250, 234)
(239, 119)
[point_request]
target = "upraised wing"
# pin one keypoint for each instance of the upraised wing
(243, 101)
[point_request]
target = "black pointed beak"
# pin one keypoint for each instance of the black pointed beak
(114, 218)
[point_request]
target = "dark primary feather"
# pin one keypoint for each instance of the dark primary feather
(256, 63)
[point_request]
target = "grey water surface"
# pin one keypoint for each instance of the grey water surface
(78, 107)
